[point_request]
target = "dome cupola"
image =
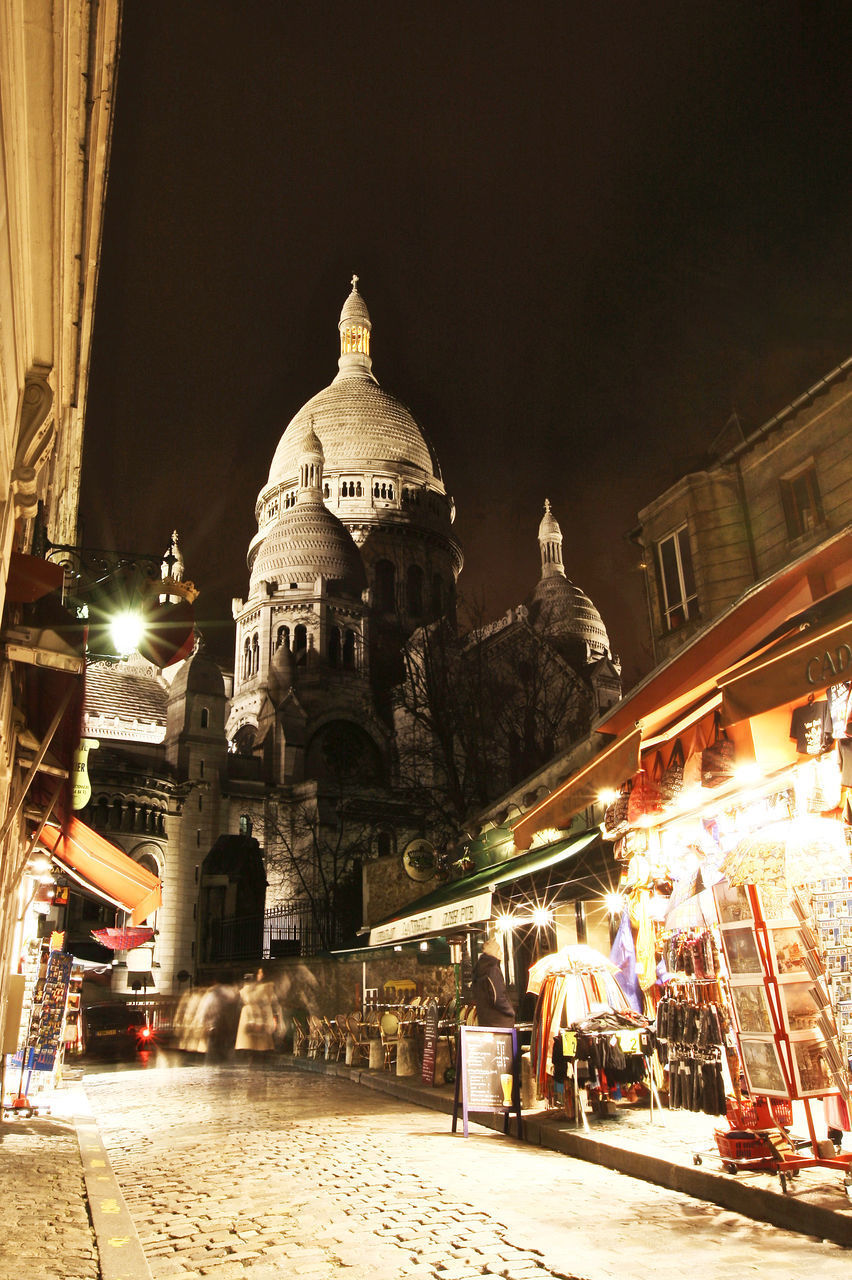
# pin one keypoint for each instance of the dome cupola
(558, 607)
(355, 328)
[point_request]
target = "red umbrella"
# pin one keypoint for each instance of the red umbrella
(123, 939)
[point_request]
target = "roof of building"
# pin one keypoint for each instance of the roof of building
(199, 674)
(309, 541)
(127, 692)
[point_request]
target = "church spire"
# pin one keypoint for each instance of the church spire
(311, 462)
(550, 542)
(355, 327)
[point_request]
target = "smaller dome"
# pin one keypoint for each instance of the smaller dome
(307, 542)
(199, 674)
(279, 679)
(566, 613)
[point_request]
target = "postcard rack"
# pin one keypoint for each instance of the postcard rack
(787, 1037)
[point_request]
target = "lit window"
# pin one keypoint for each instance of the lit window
(802, 503)
(677, 581)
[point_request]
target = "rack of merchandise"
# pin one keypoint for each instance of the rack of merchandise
(788, 1041)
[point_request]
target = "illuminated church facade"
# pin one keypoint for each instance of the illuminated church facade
(275, 789)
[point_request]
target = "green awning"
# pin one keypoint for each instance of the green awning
(467, 902)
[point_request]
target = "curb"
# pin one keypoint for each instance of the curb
(727, 1192)
(120, 1254)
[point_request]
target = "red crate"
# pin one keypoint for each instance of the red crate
(758, 1112)
(741, 1147)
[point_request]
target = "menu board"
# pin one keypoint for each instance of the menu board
(487, 1075)
(430, 1041)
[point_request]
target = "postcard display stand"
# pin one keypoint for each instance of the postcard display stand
(787, 1036)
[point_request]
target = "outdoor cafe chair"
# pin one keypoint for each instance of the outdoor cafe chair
(300, 1033)
(360, 1035)
(389, 1027)
(316, 1039)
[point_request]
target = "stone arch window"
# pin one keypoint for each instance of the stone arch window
(116, 814)
(390, 491)
(349, 649)
(414, 591)
(247, 658)
(300, 642)
(101, 813)
(359, 490)
(283, 637)
(205, 717)
(437, 596)
(255, 654)
(129, 823)
(385, 586)
(326, 491)
(334, 647)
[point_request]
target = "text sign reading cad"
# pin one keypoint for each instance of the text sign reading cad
(443, 919)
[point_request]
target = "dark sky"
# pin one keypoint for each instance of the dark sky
(586, 233)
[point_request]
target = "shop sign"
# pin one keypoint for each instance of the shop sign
(830, 667)
(807, 665)
(442, 919)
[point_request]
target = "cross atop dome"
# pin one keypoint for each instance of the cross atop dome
(354, 283)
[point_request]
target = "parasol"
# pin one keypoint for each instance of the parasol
(575, 958)
(790, 853)
(123, 939)
(691, 906)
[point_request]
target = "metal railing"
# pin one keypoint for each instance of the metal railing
(292, 929)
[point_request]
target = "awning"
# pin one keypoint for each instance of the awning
(91, 858)
(605, 772)
(458, 906)
(807, 664)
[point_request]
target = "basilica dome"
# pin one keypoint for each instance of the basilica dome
(557, 606)
(359, 423)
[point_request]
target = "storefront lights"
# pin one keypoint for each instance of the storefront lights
(542, 916)
(127, 630)
(614, 903)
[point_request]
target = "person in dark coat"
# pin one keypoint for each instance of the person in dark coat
(488, 989)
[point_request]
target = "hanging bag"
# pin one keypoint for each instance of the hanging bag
(615, 817)
(644, 799)
(671, 783)
(717, 760)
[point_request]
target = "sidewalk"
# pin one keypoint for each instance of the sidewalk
(675, 1149)
(69, 1220)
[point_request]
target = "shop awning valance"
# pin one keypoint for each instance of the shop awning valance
(604, 772)
(804, 665)
(91, 857)
(455, 907)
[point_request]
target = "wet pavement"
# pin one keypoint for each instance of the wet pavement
(247, 1173)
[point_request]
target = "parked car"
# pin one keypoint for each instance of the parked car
(114, 1030)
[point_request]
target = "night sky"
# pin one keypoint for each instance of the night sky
(586, 234)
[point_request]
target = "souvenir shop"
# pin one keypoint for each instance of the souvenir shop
(733, 832)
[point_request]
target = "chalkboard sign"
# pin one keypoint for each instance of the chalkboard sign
(430, 1041)
(488, 1074)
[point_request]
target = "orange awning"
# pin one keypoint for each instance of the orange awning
(105, 866)
(604, 772)
(803, 666)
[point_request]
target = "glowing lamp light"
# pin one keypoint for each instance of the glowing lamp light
(542, 916)
(748, 773)
(607, 796)
(614, 903)
(505, 923)
(127, 630)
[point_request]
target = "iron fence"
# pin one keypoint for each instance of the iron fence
(292, 929)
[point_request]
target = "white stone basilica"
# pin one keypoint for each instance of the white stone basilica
(298, 760)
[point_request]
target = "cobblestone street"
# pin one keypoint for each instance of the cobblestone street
(239, 1172)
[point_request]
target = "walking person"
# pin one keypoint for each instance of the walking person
(488, 989)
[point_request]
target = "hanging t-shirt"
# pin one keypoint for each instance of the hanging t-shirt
(840, 708)
(811, 728)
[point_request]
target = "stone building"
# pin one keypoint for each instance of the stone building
(762, 501)
(57, 76)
